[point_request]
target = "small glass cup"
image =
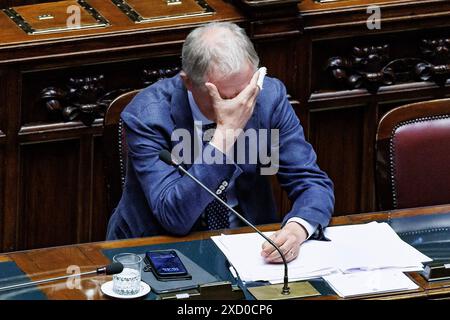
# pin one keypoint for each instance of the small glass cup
(128, 282)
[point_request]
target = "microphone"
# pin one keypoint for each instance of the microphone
(166, 157)
(113, 268)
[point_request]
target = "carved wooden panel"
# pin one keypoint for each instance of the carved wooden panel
(371, 67)
(83, 94)
(372, 62)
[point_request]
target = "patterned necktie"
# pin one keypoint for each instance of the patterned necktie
(216, 214)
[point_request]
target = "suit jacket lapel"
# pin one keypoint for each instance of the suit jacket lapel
(182, 117)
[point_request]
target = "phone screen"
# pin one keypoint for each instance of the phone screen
(166, 263)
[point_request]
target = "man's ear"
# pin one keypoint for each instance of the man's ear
(186, 80)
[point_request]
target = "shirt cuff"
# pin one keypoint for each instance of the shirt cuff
(310, 228)
(229, 159)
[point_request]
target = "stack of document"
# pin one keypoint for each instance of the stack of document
(369, 282)
(243, 251)
(361, 249)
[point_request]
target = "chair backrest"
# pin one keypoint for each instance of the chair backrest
(115, 149)
(413, 156)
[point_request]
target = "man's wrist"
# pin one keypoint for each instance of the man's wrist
(309, 226)
(224, 139)
(298, 229)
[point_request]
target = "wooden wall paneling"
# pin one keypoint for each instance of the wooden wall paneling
(51, 194)
(85, 188)
(303, 91)
(337, 136)
(3, 107)
(276, 41)
(370, 122)
(100, 213)
(349, 18)
(284, 60)
(2, 184)
(45, 121)
(11, 107)
(280, 58)
(388, 59)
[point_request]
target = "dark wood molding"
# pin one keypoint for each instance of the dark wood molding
(348, 18)
(279, 28)
(11, 196)
(151, 75)
(57, 131)
(259, 9)
(408, 92)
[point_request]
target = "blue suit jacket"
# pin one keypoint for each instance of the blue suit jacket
(157, 199)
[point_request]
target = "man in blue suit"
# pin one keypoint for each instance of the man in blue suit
(218, 89)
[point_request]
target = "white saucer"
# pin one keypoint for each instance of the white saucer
(107, 288)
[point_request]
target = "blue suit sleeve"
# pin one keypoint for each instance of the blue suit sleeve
(309, 188)
(175, 200)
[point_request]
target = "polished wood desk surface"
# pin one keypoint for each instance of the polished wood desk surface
(49, 262)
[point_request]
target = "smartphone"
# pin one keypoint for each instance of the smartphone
(166, 265)
(262, 74)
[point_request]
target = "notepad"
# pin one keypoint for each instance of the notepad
(369, 282)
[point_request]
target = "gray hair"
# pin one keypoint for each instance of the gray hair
(227, 52)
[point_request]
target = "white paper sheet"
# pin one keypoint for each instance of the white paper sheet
(352, 249)
(370, 282)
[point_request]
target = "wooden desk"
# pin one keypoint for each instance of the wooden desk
(43, 263)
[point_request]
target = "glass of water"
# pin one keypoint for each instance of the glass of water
(128, 282)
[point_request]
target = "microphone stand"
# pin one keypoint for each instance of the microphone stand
(103, 270)
(27, 284)
(285, 290)
(166, 156)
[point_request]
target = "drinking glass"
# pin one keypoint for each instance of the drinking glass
(128, 282)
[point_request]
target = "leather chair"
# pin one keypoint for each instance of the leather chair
(413, 156)
(115, 149)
